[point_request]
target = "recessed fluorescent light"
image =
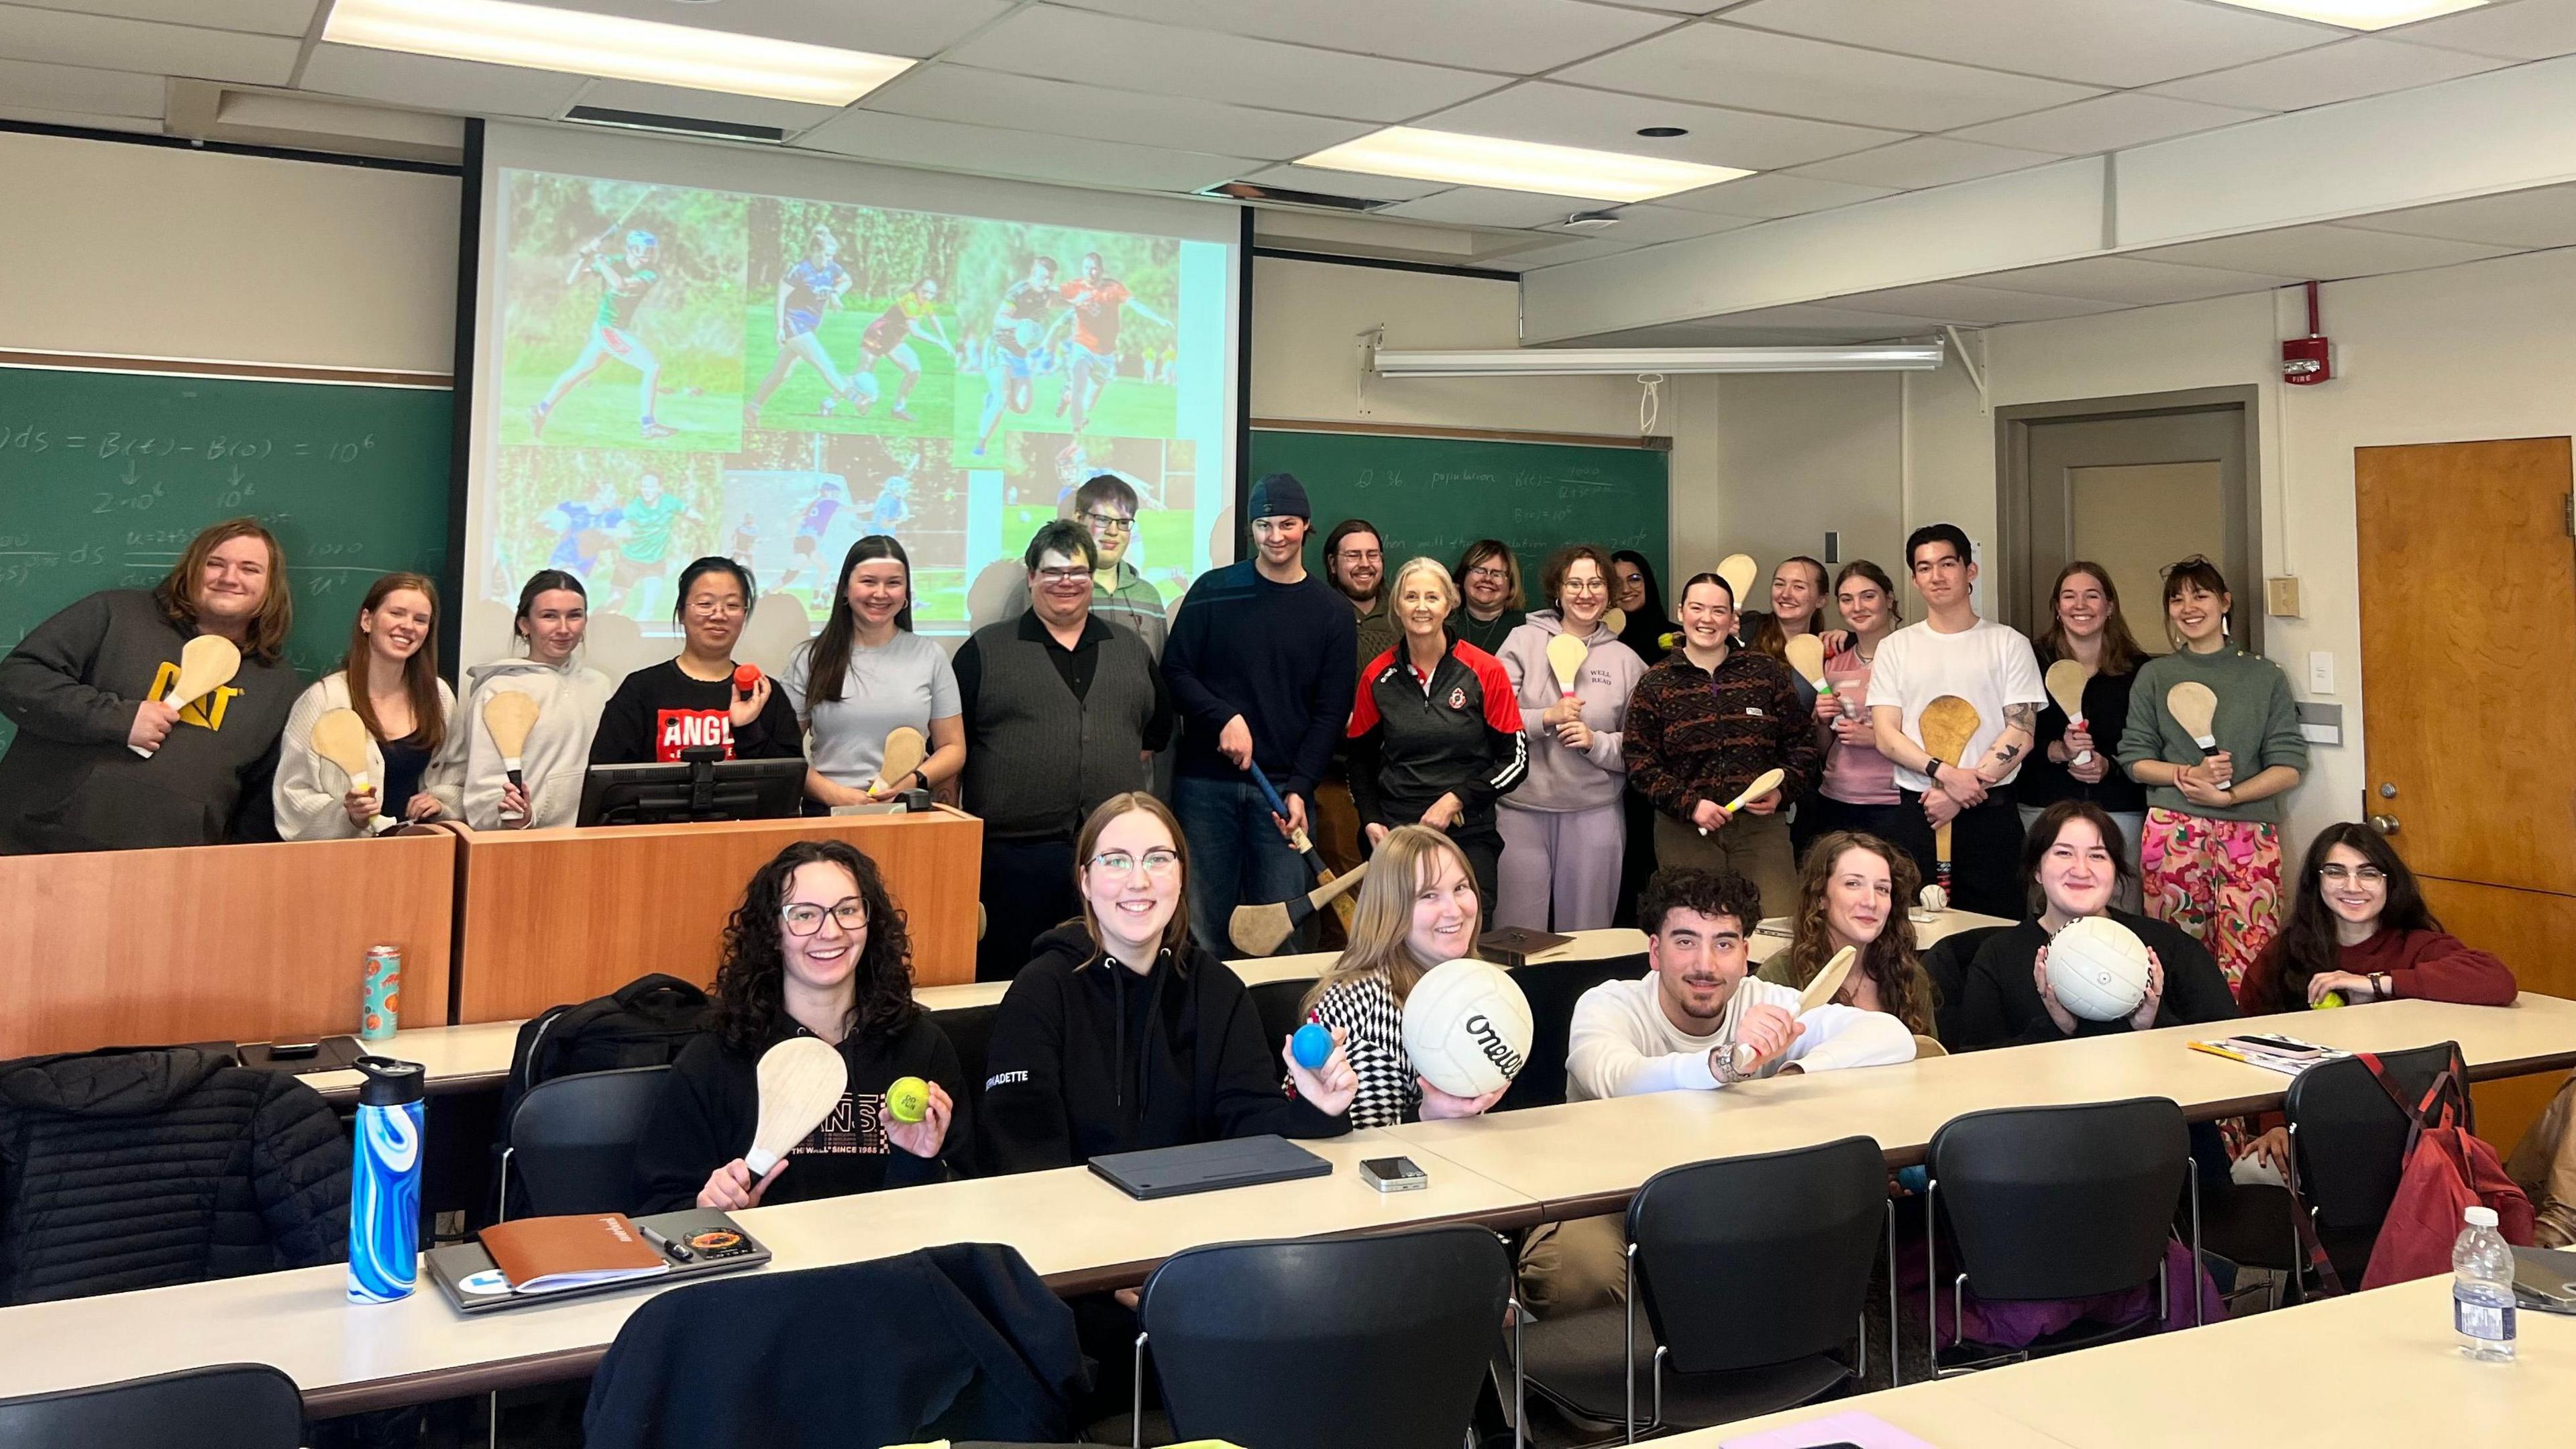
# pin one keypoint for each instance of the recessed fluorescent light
(2359, 14)
(1517, 165)
(541, 37)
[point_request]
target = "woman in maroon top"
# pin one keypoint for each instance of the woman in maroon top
(2357, 926)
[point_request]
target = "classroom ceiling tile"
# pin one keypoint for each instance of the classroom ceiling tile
(1758, 70)
(1926, 161)
(1031, 155)
(1483, 206)
(75, 88)
(2130, 280)
(85, 120)
(1607, 121)
(2346, 70)
(2106, 123)
(1324, 181)
(2101, 42)
(661, 100)
(1800, 324)
(1774, 193)
(1557, 255)
(266, 17)
(435, 83)
(1969, 306)
(2523, 30)
(2325, 253)
(1123, 54)
(962, 93)
(1514, 36)
(112, 42)
(2541, 216)
(1646, 224)
(885, 27)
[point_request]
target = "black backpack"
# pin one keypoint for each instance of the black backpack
(644, 1023)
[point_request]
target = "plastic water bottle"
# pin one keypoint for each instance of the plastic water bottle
(384, 1182)
(2482, 1289)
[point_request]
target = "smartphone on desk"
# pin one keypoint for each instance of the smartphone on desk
(1393, 1174)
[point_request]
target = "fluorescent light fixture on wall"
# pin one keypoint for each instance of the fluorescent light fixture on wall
(2358, 14)
(1637, 361)
(540, 37)
(1463, 160)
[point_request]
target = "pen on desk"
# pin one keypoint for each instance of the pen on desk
(677, 1252)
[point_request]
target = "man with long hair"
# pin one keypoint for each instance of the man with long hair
(100, 761)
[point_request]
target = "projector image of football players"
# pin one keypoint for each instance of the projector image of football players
(914, 314)
(1099, 302)
(806, 291)
(625, 281)
(1019, 331)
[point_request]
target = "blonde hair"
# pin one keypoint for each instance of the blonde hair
(1424, 565)
(1176, 934)
(1383, 918)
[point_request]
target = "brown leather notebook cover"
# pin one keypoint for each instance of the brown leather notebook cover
(540, 1255)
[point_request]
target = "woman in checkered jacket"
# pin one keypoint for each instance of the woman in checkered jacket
(1417, 908)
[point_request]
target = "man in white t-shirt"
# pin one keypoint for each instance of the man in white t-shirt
(1679, 1027)
(1953, 652)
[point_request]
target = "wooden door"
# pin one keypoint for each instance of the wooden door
(2468, 651)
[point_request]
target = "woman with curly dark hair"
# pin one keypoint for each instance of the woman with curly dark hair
(1854, 892)
(817, 948)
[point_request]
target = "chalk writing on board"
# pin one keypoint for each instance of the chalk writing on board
(212, 447)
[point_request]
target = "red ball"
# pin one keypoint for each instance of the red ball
(746, 677)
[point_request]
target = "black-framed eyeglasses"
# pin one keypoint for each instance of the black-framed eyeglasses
(1158, 862)
(2338, 874)
(1109, 522)
(1063, 575)
(803, 918)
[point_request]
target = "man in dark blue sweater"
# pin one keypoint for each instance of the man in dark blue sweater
(1260, 662)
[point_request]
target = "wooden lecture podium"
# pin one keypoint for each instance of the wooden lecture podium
(551, 916)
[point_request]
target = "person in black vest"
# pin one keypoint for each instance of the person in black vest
(1436, 730)
(1063, 710)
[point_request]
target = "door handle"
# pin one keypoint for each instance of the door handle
(2384, 824)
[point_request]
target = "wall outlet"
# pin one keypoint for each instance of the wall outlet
(2320, 672)
(2281, 597)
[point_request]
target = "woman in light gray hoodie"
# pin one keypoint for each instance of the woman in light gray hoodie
(468, 776)
(1563, 832)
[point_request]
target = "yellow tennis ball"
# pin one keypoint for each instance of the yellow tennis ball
(2331, 998)
(908, 1100)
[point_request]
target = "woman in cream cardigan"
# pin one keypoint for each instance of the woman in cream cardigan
(391, 680)
(469, 776)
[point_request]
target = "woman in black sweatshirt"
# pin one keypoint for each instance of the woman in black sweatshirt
(817, 948)
(691, 701)
(1123, 1033)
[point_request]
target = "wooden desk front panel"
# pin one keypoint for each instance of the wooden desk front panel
(217, 943)
(550, 916)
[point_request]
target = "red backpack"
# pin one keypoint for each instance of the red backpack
(2448, 1171)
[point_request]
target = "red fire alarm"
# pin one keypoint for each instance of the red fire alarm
(2307, 359)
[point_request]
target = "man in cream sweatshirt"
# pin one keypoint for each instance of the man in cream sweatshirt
(1677, 1028)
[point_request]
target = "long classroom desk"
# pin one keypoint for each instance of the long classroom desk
(1504, 1171)
(2369, 1368)
(1584, 1158)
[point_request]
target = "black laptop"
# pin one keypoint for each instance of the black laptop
(1208, 1166)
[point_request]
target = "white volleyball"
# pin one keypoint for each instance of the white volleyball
(1467, 1027)
(2098, 969)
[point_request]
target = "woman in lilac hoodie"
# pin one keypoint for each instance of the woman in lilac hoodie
(1563, 831)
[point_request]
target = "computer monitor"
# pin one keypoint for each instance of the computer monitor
(699, 786)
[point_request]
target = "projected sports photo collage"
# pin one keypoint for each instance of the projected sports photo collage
(682, 372)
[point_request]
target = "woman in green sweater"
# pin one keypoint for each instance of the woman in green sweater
(2211, 852)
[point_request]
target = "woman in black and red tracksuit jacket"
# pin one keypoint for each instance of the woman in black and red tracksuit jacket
(1435, 729)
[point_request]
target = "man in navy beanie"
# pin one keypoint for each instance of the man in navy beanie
(1260, 662)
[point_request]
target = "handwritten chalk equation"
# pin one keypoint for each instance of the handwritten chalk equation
(111, 444)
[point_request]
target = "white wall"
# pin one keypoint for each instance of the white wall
(152, 251)
(2481, 350)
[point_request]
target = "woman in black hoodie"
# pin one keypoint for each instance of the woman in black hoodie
(817, 948)
(1123, 1033)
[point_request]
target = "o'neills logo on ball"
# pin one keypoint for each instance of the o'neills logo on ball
(1490, 1041)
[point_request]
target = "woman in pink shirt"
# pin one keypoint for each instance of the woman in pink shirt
(1858, 792)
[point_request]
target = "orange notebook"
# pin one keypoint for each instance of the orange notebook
(546, 1255)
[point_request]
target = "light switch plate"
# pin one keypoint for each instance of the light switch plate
(2320, 672)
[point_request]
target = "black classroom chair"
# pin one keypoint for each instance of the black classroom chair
(232, 1406)
(572, 1140)
(1553, 987)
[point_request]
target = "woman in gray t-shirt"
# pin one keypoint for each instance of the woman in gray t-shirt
(867, 674)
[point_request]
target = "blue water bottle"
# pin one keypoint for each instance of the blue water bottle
(384, 1182)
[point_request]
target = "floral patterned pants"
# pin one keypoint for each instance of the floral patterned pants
(2219, 880)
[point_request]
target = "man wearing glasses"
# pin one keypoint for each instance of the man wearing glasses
(1106, 508)
(1062, 712)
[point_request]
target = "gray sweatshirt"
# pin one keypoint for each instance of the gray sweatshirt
(69, 781)
(467, 776)
(1561, 779)
(2257, 723)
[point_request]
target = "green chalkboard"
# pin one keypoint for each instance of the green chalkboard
(1435, 496)
(105, 476)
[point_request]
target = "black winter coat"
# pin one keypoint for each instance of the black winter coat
(124, 1169)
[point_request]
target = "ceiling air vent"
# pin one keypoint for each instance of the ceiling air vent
(1283, 196)
(675, 125)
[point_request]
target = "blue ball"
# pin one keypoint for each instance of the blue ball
(1312, 1046)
